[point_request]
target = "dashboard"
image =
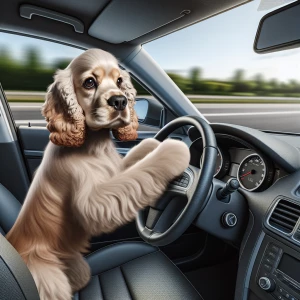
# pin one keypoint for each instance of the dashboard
(266, 207)
(236, 158)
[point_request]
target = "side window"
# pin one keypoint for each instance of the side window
(27, 67)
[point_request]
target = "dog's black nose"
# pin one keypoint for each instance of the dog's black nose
(118, 102)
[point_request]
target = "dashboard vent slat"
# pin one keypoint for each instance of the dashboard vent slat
(283, 211)
(285, 216)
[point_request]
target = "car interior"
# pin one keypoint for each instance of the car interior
(236, 232)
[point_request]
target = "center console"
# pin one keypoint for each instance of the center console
(276, 272)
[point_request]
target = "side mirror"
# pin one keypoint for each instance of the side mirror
(279, 30)
(149, 111)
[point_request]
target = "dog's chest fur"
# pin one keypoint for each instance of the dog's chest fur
(103, 165)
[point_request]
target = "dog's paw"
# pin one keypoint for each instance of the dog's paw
(175, 156)
(148, 145)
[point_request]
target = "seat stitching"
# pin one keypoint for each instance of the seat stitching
(99, 280)
(126, 283)
(125, 263)
(181, 273)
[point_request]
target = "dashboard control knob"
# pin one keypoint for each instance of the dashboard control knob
(229, 219)
(266, 284)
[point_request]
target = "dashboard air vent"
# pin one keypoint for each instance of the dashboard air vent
(285, 216)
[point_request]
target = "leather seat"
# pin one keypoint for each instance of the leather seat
(135, 270)
(129, 270)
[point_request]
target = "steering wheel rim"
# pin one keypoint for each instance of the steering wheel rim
(201, 184)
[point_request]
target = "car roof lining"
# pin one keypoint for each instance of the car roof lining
(52, 30)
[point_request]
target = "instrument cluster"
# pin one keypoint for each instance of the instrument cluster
(237, 159)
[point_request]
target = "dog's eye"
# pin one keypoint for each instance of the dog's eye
(119, 81)
(89, 83)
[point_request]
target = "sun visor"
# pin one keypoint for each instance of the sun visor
(123, 21)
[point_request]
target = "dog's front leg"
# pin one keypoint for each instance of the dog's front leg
(104, 207)
(140, 151)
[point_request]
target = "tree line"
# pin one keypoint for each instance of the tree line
(32, 74)
(194, 83)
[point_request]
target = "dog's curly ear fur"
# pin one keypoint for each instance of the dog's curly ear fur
(64, 115)
(129, 132)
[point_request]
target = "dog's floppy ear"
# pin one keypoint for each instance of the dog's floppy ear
(64, 115)
(129, 132)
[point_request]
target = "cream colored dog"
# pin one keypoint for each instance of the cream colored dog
(83, 187)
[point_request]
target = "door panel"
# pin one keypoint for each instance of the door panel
(13, 173)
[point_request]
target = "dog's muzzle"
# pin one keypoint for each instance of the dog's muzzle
(117, 102)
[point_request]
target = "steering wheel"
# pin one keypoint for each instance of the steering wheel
(163, 223)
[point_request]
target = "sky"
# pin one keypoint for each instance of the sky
(222, 44)
(218, 45)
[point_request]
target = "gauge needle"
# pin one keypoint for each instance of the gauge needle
(248, 173)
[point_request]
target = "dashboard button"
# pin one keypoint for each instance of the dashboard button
(229, 220)
(274, 248)
(269, 261)
(267, 267)
(272, 255)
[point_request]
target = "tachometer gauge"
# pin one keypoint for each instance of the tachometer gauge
(219, 162)
(252, 172)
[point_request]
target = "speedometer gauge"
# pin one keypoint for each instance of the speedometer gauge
(252, 172)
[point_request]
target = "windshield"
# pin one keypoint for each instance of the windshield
(214, 64)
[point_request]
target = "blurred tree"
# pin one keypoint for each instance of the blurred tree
(195, 77)
(274, 83)
(293, 84)
(61, 64)
(260, 83)
(216, 87)
(240, 85)
(238, 75)
(32, 59)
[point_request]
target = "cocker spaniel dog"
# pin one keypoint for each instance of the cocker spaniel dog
(83, 187)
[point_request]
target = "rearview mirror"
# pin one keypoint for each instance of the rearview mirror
(279, 30)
